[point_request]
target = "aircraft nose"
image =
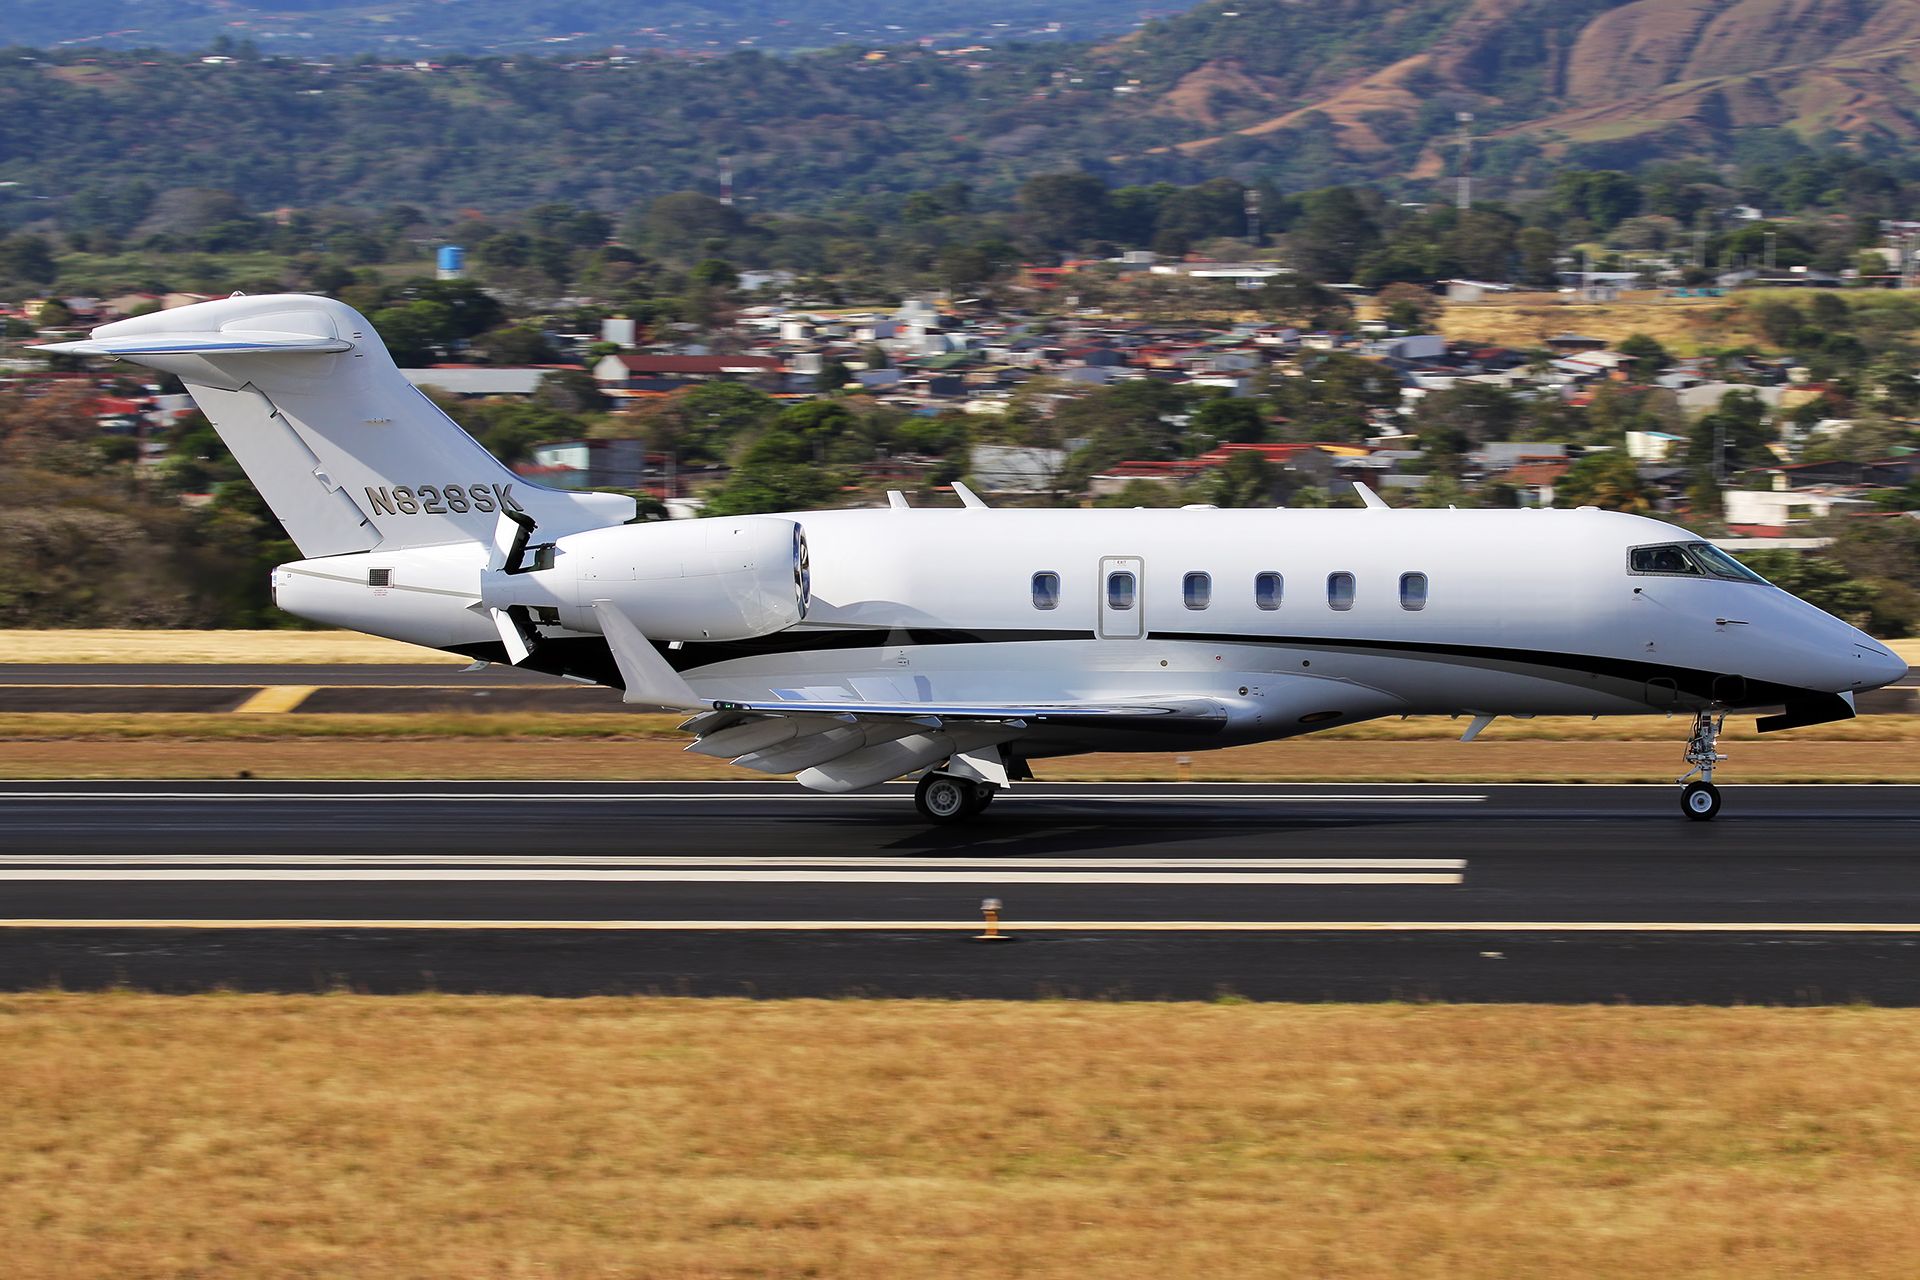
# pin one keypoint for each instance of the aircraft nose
(1878, 665)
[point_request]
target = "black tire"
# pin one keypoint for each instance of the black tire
(1700, 801)
(943, 798)
(983, 794)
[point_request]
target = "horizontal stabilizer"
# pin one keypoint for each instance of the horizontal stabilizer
(229, 343)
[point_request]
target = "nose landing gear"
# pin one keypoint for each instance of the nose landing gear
(1700, 799)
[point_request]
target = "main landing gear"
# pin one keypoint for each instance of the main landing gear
(947, 798)
(1700, 799)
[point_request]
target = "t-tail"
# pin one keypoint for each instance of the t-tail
(410, 529)
(347, 453)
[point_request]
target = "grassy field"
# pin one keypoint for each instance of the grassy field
(1627, 749)
(1684, 327)
(241, 1136)
(212, 647)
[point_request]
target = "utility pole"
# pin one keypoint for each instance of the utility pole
(1463, 190)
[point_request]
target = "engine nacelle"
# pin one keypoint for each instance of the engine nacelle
(712, 579)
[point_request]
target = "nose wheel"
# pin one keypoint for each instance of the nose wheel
(1700, 799)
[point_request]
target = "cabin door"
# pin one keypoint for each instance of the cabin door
(1122, 604)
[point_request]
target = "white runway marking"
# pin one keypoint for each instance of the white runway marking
(1011, 927)
(1011, 863)
(464, 875)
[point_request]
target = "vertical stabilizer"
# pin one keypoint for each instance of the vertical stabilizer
(348, 454)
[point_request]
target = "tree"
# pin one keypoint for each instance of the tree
(1608, 480)
(1649, 357)
(834, 375)
(1732, 438)
(1335, 229)
(1466, 416)
(1539, 252)
(1482, 242)
(686, 221)
(416, 333)
(1247, 480)
(1141, 493)
(775, 474)
(1410, 307)
(516, 345)
(715, 273)
(1227, 419)
(28, 259)
(1062, 210)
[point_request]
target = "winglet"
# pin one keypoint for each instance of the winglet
(968, 498)
(1369, 498)
(651, 681)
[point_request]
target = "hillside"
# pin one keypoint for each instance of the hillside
(1295, 94)
(1379, 84)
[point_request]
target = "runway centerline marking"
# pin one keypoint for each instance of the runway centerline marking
(690, 875)
(824, 862)
(973, 926)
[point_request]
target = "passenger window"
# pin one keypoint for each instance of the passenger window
(1120, 590)
(1340, 590)
(1197, 590)
(1667, 559)
(1267, 589)
(1046, 591)
(1413, 591)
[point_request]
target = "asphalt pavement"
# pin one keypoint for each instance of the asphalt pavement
(1267, 891)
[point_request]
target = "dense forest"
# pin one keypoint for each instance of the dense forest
(1259, 92)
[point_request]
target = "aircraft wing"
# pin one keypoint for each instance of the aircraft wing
(843, 745)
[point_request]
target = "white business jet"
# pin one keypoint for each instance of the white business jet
(959, 645)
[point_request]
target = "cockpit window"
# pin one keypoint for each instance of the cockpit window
(1667, 559)
(1720, 564)
(1690, 560)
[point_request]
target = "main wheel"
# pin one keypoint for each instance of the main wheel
(1700, 801)
(943, 798)
(983, 794)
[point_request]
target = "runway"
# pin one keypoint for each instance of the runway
(1456, 892)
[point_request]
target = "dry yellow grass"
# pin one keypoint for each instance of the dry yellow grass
(1637, 749)
(211, 646)
(1682, 327)
(230, 1136)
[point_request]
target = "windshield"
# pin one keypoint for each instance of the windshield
(1720, 564)
(1690, 560)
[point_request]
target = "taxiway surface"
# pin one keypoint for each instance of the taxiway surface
(1456, 892)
